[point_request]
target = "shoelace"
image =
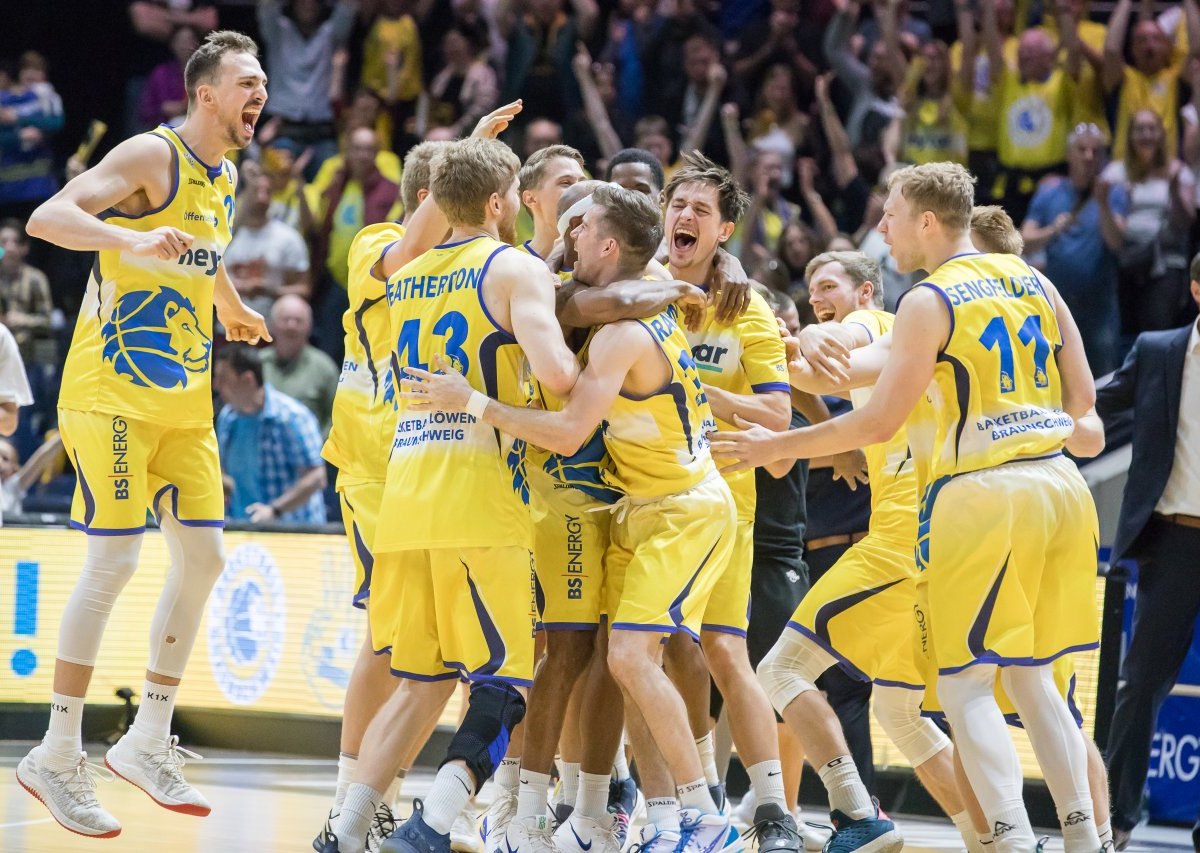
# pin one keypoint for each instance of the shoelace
(79, 782)
(170, 759)
(645, 845)
(383, 824)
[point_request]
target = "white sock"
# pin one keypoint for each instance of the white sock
(570, 780)
(351, 824)
(767, 779)
(508, 775)
(663, 813)
(451, 789)
(347, 765)
(708, 759)
(695, 795)
(392, 794)
(154, 713)
(1078, 827)
(531, 797)
(64, 737)
(846, 791)
(962, 822)
(621, 765)
(1011, 830)
(1104, 830)
(593, 796)
(987, 842)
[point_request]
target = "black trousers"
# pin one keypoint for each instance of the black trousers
(849, 697)
(1164, 618)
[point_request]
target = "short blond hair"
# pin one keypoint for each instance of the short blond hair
(534, 171)
(466, 173)
(418, 166)
(947, 190)
(858, 266)
(993, 231)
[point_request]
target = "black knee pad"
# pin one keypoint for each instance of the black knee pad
(494, 710)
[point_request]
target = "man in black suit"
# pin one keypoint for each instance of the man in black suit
(1160, 528)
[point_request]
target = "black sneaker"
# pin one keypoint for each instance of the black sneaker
(416, 836)
(775, 830)
(718, 795)
(622, 804)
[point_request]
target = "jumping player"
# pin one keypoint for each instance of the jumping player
(136, 417)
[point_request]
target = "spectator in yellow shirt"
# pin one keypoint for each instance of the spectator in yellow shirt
(1151, 81)
(391, 66)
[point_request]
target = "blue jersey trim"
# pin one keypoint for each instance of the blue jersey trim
(768, 387)
(1002, 660)
(479, 291)
(635, 626)
(109, 531)
(843, 661)
(213, 172)
(529, 248)
(459, 243)
(202, 522)
(413, 676)
(863, 326)
(568, 626)
(113, 213)
(723, 629)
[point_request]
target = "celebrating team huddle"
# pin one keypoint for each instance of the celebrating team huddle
(546, 458)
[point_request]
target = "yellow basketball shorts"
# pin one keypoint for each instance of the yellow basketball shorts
(126, 466)
(455, 612)
(360, 515)
(861, 612)
(570, 536)
(1064, 680)
(1011, 568)
(665, 557)
(728, 609)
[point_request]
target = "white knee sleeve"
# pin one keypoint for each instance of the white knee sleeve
(899, 713)
(791, 668)
(110, 563)
(197, 560)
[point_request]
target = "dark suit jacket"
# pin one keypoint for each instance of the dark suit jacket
(1149, 384)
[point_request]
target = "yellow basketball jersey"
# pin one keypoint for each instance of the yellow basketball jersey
(889, 464)
(745, 357)
(996, 393)
(448, 480)
(364, 407)
(143, 341)
(585, 468)
(659, 443)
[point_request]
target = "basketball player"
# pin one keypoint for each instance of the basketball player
(744, 370)
(358, 444)
(546, 173)
(363, 423)
(1007, 529)
(135, 413)
(675, 522)
(450, 590)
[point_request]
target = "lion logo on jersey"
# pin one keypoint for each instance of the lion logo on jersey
(155, 339)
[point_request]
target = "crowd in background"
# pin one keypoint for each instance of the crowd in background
(1081, 119)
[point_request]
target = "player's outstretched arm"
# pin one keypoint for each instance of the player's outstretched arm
(241, 322)
(863, 370)
(614, 350)
(922, 326)
(1078, 386)
(1088, 439)
(141, 164)
(584, 307)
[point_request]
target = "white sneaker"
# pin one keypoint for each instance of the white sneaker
(464, 837)
(815, 835)
(743, 816)
(156, 766)
(579, 834)
(706, 833)
(653, 840)
(69, 794)
(528, 835)
(497, 818)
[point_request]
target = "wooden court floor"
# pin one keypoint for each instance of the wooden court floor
(264, 804)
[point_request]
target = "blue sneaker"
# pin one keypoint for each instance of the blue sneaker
(705, 833)
(415, 836)
(867, 835)
(624, 803)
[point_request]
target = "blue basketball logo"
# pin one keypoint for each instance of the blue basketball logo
(154, 338)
